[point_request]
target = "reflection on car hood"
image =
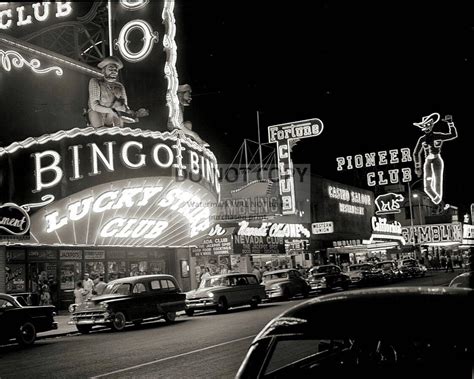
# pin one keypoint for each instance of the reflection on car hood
(269, 283)
(202, 292)
(110, 296)
(317, 275)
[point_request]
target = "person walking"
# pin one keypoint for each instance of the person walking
(88, 286)
(256, 272)
(449, 264)
(79, 293)
(99, 286)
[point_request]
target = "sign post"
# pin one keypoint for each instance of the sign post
(284, 135)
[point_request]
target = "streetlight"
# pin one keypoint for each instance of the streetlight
(411, 211)
(416, 196)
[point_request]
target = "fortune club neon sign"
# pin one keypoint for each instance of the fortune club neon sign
(40, 12)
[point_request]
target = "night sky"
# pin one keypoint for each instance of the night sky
(367, 70)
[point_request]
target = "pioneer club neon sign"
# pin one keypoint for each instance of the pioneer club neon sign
(40, 12)
(283, 135)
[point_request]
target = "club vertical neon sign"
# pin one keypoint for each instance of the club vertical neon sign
(284, 135)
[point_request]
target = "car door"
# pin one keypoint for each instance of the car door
(140, 304)
(8, 319)
(171, 297)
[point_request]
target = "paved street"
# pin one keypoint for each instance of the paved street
(208, 345)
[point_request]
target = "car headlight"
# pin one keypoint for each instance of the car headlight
(104, 306)
(275, 287)
(210, 294)
(323, 279)
(72, 308)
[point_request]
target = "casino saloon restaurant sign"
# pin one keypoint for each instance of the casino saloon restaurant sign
(126, 188)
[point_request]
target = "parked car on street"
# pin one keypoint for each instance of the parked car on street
(389, 270)
(221, 292)
(328, 277)
(358, 334)
(412, 268)
(464, 280)
(364, 274)
(285, 284)
(24, 322)
(133, 299)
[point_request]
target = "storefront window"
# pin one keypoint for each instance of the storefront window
(42, 279)
(138, 268)
(116, 270)
(70, 274)
(95, 269)
(157, 267)
(15, 278)
(184, 268)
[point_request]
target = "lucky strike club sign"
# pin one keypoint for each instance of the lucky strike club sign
(128, 187)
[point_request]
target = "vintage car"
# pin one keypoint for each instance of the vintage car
(411, 268)
(285, 284)
(361, 334)
(24, 322)
(390, 270)
(364, 274)
(327, 277)
(221, 292)
(133, 299)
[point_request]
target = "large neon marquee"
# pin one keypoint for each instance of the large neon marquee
(39, 12)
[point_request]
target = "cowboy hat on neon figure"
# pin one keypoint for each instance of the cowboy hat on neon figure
(430, 144)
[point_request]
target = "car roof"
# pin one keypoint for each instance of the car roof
(383, 311)
(279, 271)
(231, 274)
(134, 279)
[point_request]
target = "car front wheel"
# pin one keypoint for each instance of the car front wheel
(26, 334)
(84, 329)
(222, 306)
(254, 302)
(170, 317)
(119, 321)
(189, 312)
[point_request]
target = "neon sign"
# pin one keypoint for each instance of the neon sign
(430, 144)
(284, 135)
(19, 16)
(353, 197)
(273, 230)
(388, 203)
(384, 230)
(132, 5)
(381, 158)
(149, 38)
(434, 233)
(11, 58)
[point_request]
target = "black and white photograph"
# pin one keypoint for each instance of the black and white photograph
(212, 189)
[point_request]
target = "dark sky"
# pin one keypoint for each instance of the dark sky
(368, 70)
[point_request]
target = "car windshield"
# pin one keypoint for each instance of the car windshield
(409, 263)
(276, 275)
(298, 357)
(321, 269)
(214, 282)
(385, 265)
(118, 288)
(360, 267)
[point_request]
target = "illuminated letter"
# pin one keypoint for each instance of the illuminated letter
(98, 208)
(382, 181)
(283, 151)
(349, 162)
(8, 14)
(406, 155)
(37, 7)
(369, 159)
(124, 155)
(21, 19)
(169, 198)
(340, 163)
(58, 173)
(370, 181)
(127, 229)
(148, 193)
(96, 152)
(126, 198)
(382, 158)
(393, 175)
(194, 160)
(149, 38)
(359, 161)
(142, 227)
(406, 174)
(157, 229)
(85, 204)
(132, 5)
(156, 150)
(108, 231)
(75, 162)
(63, 9)
(52, 222)
(393, 156)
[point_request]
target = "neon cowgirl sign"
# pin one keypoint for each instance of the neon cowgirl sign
(430, 144)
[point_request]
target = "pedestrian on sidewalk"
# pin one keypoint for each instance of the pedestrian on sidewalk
(88, 285)
(99, 286)
(79, 293)
(449, 264)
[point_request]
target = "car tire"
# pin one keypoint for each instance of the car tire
(170, 317)
(222, 306)
(26, 334)
(189, 312)
(84, 329)
(118, 322)
(254, 302)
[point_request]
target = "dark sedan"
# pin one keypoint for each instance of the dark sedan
(132, 299)
(328, 277)
(285, 284)
(24, 322)
(366, 334)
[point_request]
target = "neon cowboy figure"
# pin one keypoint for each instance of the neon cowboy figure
(431, 144)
